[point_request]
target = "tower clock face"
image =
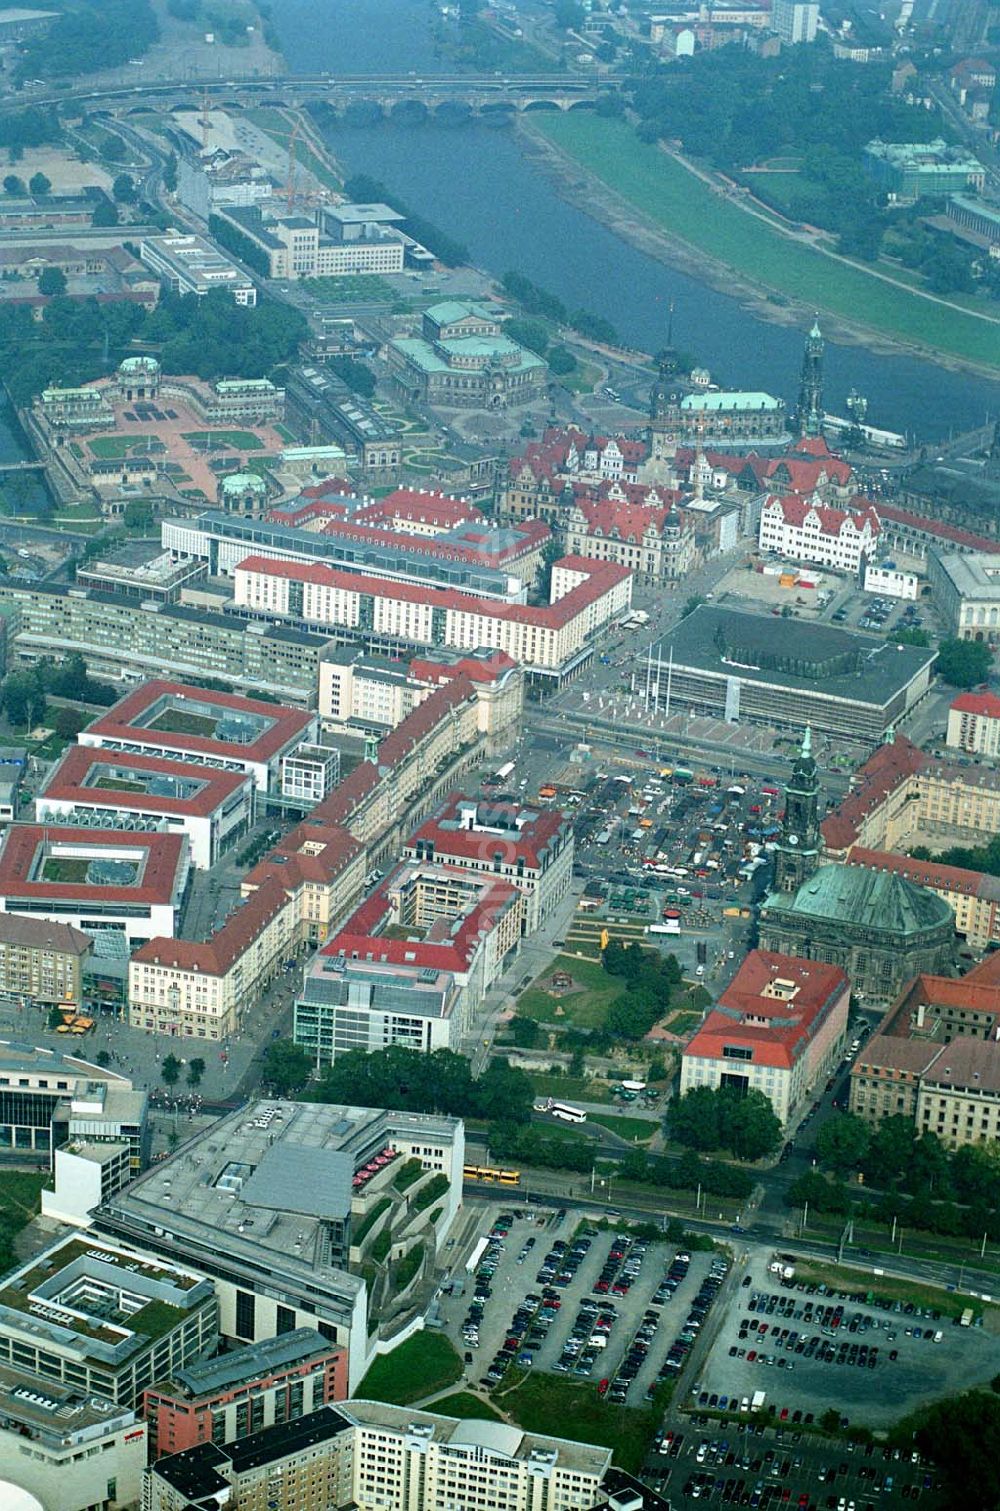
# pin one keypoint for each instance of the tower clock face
(793, 839)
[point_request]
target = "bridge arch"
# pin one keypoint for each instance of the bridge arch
(540, 105)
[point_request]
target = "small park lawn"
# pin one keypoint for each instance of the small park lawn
(422, 1365)
(564, 1408)
(586, 1006)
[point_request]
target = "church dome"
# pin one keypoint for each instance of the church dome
(857, 897)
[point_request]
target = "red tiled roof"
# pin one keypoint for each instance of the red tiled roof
(624, 521)
(937, 529)
(795, 511)
(294, 860)
(530, 843)
(872, 783)
(429, 507)
(987, 705)
(69, 782)
(215, 956)
(789, 1025)
(121, 722)
(360, 935)
(20, 848)
(600, 576)
(476, 669)
(811, 445)
(927, 873)
(945, 991)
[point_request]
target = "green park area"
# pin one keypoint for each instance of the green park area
(65, 869)
(180, 721)
(689, 208)
(465, 1404)
(584, 1004)
(424, 1364)
(212, 440)
(106, 447)
(351, 289)
(20, 1199)
(570, 1088)
(562, 1408)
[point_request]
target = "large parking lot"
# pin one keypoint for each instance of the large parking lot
(808, 1351)
(556, 1295)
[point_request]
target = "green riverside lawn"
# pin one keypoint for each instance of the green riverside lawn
(686, 207)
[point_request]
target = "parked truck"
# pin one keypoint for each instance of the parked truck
(757, 1400)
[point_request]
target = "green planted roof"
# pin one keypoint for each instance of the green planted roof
(855, 895)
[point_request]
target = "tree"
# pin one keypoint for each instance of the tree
(196, 1070)
(891, 1151)
(529, 333)
(962, 1436)
(963, 663)
(39, 184)
(569, 14)
(842, 1142)
(170, 173)
(745, 1124)
(286, 1067)
(14, 185)
(104, 214)
(170, 1070)
(692, 603)
(139, 514)
(103, 1059)
(551, 553)
(359, 378)
(561, 360)
(52, 282)
(23, 698)
(525, 1032)
(912, 635)
(68, 722)
(124, 189)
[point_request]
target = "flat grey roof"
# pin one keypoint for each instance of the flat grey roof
(972, 574)
(350, 215)
(313, 1182)
(884, 668)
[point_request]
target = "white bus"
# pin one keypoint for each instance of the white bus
(567, 1113)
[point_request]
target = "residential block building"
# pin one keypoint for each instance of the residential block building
(532, 849)
(126, 641)
(779, 1028)
(974, 724)
(388, 1458)
(549, 642)
(236, 1394)
(936, 1059)
(41, 962)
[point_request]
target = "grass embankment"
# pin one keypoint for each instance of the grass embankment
(20, 1200)
(886, 1288)
(466, 1405)
(687, 207)
(422, 1365)
(572, 1409)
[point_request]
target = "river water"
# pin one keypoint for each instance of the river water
(475, 182)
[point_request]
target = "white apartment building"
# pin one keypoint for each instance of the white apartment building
(974, 724)
(309, 772)
(549, 640)
(804, 530)
(795, 20)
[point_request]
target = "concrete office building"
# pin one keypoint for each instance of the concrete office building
(267, 1201)
(309, 773)
(172, 721)
(126, 641)
(190, 265)
(746, 667)
(210, 807)
(104, 1318)
(230, 1397)
(50, 1098)
(65, 1448)
(96, 880)
(779, 1028)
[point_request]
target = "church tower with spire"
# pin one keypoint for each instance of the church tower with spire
(797, 853)
(810, 410)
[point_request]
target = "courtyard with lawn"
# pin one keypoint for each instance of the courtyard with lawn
(577, 993)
